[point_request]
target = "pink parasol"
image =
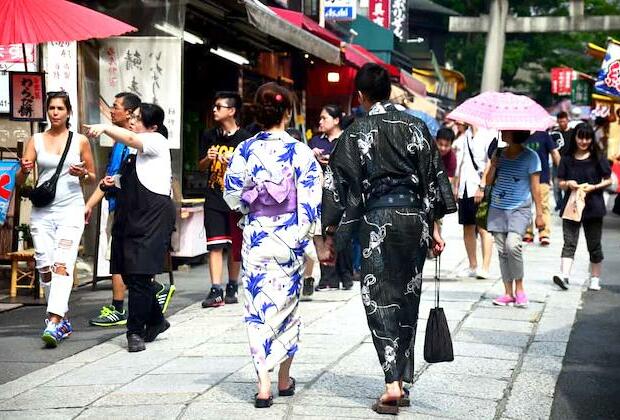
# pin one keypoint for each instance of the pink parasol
(502, 111)
(37, 21)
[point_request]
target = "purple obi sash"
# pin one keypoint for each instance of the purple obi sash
(271, 199)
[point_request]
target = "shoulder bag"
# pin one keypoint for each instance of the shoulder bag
(482, 212)
(44, 194)
(437, 340)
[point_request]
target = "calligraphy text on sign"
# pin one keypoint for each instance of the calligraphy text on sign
(379, 12)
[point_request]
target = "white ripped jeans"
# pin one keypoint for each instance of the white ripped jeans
(56, 236)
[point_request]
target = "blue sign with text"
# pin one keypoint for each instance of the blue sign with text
(339, 13)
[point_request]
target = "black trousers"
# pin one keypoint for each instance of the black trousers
(342, 272)
(143, 307)
(593, 230)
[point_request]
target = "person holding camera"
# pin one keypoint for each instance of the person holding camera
(63, 159)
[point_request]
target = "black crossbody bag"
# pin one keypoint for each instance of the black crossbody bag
(44, 194)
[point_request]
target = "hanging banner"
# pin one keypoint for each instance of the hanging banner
(379, 12)
(148, 67)
(8, 169)
(561, 80)
(608, 81)
(60, 63)
(340, 10)
(12, 59)
(399, 22)
(581, 92)
(27, 92)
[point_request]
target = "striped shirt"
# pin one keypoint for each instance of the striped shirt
(512, 185)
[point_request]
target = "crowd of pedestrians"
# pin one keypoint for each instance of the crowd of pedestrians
(349, 199)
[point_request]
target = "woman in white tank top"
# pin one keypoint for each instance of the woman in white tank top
(57, 228)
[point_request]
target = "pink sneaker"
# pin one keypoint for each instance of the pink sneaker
(504, 300)
(521, 300)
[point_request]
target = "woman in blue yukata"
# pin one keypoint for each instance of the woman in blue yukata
(275, 181)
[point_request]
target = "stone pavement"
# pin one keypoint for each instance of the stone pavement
(506, 365)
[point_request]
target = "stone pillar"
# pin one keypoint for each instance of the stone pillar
(496, 40)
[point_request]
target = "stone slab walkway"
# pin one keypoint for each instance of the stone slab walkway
(506, 366)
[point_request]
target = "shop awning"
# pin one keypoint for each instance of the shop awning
(272, 24)
(358, 56)
(412, 85)
(300, 20)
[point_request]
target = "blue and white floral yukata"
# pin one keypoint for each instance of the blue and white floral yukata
(275, 181)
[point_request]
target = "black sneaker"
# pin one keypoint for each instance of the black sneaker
(308, 289)
(152, 331)
(135, 343)
(214, 299)
(231, 293)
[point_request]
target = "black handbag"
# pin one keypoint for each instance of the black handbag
(44, 194)
(437, 342)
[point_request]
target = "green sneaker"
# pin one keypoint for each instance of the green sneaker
(164, 296)
(109, 317)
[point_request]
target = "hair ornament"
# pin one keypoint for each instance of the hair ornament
(279, 97)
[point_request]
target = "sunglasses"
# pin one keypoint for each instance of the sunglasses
(218, 107)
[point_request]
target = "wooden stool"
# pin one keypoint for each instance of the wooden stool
(29, 274)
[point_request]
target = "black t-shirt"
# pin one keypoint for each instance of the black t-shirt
(566, 135)
(215, 172)
(586, 171)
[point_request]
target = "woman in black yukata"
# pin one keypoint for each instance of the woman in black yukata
(386, 183)
(144, 220)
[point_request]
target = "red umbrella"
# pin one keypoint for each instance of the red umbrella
(36, 21)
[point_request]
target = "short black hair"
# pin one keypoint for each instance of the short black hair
(233, 99)
(131, 101)
(373, 81)
(562, 114)
(445, 134)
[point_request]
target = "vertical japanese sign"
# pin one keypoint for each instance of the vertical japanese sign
(12, 59)
(561, 80)
(150, 67)
(581, 92)
(27, 91)
(8, 169)
(400, 19)
(608, 80)
(379, 12)
(340, 10)
(60, 63)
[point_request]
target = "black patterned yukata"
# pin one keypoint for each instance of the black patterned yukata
(386, 183)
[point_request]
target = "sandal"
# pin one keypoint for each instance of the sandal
(288, 392)
(404, 400)
(386, 407)
(263, 402)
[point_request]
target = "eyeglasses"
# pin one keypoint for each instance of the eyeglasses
(218, 106)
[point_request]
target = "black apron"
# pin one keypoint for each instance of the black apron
(143, 223)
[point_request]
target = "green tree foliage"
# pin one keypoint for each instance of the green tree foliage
(536, 53)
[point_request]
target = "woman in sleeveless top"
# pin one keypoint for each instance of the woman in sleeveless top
(57, 228)
(144, 219)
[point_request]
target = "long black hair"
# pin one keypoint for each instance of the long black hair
(153, 115)
(583, 131)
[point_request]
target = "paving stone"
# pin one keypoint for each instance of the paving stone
(88, 376)
(57, 397)
(347, 386)
(446, 405)
(219, 349)
(93, 354)
(491, 351)
(202, 365)
(143, 361)
(528, 406)
(240, 393)
(506, 338)
(538, 363)
(547, 348)
(233, 411)
(150, 411)
(36, 378)
(336, 412)
(47, 414)
(463, 385)
(306, 398)
(498, 325)
(475, 366)
(118, 399)
(535, 383)
(561, 334)
(515, 314)
(173, 383)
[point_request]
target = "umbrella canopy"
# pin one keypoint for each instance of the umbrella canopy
(431, 123)
(37, 21)
(502, 111)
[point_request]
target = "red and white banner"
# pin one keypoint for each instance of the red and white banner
(379, 12)
(561, 80)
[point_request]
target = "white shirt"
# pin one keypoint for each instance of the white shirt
(153, 164)
(469, 177)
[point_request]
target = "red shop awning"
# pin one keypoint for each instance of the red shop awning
(358, 56)
(302, 21)
(412, 84)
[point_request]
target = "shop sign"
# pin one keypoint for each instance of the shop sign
(60, 60)
(400, 19)
(561, 80)
(340, 9)
(608, 80)
(12, 59)
(581, 91)
(27, 93)
(149, 67)
(379, 12)
(8, 170)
